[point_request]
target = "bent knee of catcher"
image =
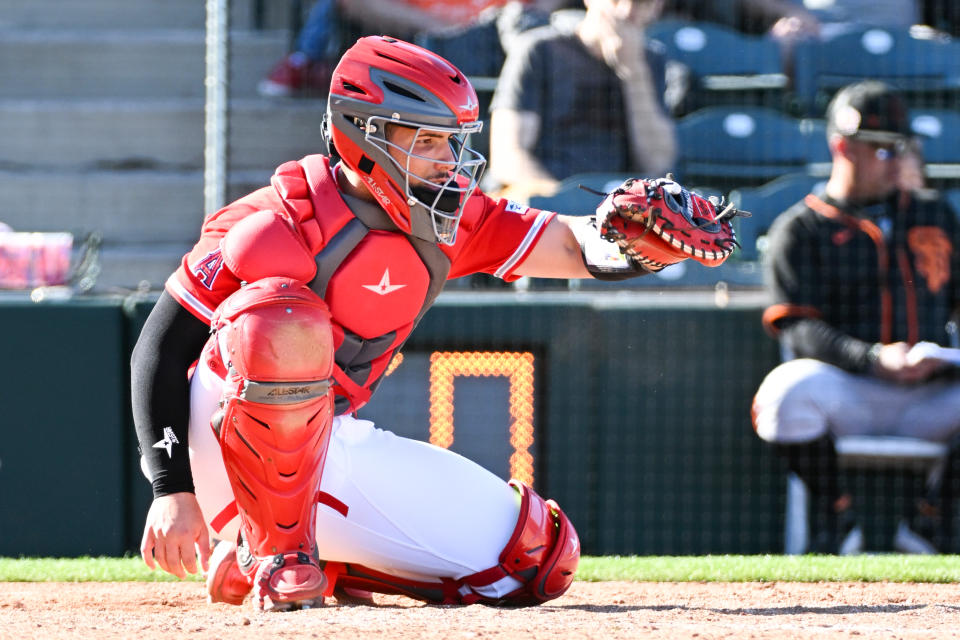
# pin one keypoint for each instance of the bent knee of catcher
(273, 330)
(542, 554)
(273, 341)
(541, 557)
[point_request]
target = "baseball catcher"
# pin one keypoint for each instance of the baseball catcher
(284, 317)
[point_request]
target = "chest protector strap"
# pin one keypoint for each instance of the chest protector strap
(308, 187)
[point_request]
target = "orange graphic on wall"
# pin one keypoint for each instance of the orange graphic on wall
(518, 368)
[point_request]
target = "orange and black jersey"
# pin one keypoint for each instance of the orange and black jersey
(845, 276)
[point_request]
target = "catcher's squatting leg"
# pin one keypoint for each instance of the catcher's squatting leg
(272, 344)
(400, 515)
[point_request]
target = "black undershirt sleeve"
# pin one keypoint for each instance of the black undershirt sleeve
(814, 338)
(171, 340)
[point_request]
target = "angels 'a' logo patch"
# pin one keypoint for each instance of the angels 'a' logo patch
(931, 249)
(515, 207)
(208, 268)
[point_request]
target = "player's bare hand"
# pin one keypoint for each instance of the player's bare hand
(175, 530)
(615, 33)
(894, 364)
(798, 26)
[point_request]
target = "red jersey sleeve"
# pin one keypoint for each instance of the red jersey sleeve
(202, 281)
(495, 236)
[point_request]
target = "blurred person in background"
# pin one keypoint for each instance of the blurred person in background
(859, 274)
(749, 16)
(332, 23)
(826, 19)
(581, 97)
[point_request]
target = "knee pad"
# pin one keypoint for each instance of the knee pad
(542, 555)
(543, 552)
(274, 340)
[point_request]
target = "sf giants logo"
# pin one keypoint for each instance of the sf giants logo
(207, 268)
(932, 249)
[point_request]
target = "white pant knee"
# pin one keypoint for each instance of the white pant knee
(793, 402)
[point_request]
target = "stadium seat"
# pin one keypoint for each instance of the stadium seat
(725, 65)
(765, 203)
(730, 147)
(477, 52)
(873, 453)
(953, 197)
(865, 453)
(474, 49)
(939, 132)
(572, 200)
(926, 69)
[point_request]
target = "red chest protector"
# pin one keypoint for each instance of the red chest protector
(377, 282)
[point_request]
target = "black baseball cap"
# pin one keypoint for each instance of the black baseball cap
(871, 111)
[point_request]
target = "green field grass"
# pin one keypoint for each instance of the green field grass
(867, 568)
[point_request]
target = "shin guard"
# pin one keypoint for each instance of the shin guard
(273, 339)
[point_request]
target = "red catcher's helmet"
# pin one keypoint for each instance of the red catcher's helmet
(381, 81)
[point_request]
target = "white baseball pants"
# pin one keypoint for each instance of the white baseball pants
(804, 399)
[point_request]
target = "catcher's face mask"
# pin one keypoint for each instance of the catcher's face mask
(382, 84)
(438, 169)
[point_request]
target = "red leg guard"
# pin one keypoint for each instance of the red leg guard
(274, 338)
(542, 554)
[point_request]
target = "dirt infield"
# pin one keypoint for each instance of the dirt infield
(608, 610)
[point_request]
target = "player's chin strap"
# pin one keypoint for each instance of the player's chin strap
(602, 257)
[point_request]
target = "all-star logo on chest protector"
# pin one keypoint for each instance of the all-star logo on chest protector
(384, 287)
(380, 287)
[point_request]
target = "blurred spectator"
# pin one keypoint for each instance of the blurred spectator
(858, 275)
(307, 69)
(518, 16)
(791, 21)
(330, 23)
(748, 16)
(836, 17)
(478, 47)
(581, 98)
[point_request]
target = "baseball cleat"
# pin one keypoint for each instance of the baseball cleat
(226, 582)
(289, 582)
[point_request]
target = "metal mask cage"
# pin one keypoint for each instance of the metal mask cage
(444, 202)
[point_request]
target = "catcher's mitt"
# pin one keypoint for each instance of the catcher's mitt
(657, 223)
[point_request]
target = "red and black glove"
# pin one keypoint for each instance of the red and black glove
(657, 222)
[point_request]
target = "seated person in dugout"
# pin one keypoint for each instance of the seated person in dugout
(287, 313)
(860, 273)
